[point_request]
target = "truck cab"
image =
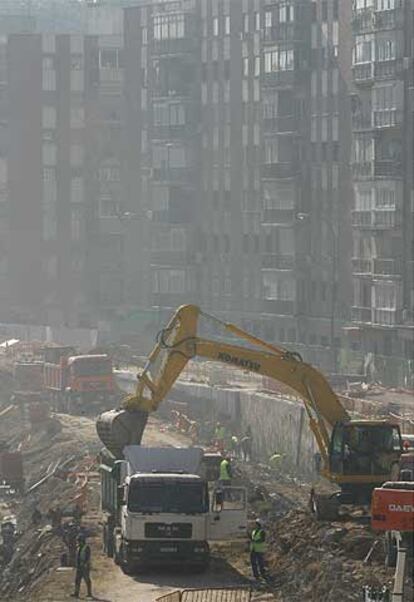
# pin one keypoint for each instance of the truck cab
(162, 518)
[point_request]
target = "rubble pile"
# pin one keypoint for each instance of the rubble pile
(324, 561)
(53, 458)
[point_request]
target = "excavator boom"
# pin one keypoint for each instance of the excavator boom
(178, 343)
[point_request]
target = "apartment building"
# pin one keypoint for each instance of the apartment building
(233, 122)
(382, 167)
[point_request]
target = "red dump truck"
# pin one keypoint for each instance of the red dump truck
(78, 382)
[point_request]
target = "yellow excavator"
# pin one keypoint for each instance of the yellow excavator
(357, 455)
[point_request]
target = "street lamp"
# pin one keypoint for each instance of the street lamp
(302, 217)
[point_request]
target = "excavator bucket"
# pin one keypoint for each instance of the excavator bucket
(118, 428)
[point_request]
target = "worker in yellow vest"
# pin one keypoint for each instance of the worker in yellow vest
(225, 474)
(257, 550)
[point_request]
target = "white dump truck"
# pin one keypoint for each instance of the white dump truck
(160, 510)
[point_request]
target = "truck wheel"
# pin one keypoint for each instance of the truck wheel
(390, 551)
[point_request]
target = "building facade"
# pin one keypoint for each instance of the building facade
(382, 168)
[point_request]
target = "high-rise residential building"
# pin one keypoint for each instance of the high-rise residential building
(233, 120)
(60, 146)
(382, 168)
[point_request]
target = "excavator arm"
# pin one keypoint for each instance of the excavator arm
(178, 343)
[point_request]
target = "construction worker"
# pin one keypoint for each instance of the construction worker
(83, 567)
(225, 474)
(275, 460)
(246, 445)
(257, 550)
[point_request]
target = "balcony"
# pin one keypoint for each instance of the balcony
(363, 21)
(172, 174)
(278, 262)
(387, 118)
(278, 307)
(363, 73)
(278, 216)
(380, 168)
(283, 31)
(171, 132)
(169, 258)
(283, 79)
(361, 314)
(380, 220)
(386, 317)
(186, 45)
(388, 19)
(361, 266)
(284, 124)
(388, 69)
(387, 267)
(279, 170)
(361, 122)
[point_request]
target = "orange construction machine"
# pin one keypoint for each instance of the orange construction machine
(392, 511)
(75, 380)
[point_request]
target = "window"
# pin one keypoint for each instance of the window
(169, 281)
(386, 50)
(324, 10)
(278, 286)
(76, 190)
(363, 148)
(278, 60)
(257, 66)
(362, 52)
(386, 197)
(286, 13)
(77, 117)
(48, 74)
(271, 150)
(257, 21)
(169, 27)
(268, 19)
(76, 223)
(76, 155)
(386, 4)
(363, 198)
(362, 4)
(48, 117)
(227, 25)
(246, 23)
(109, 58)
(215, 26)
(246, 66)
(49, 153)
(385, 295)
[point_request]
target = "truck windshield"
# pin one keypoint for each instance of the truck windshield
(91, 367)
(185, 498)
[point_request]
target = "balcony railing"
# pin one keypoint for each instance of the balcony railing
(278, 262)
(381, 168)
(388, 168)
(361, 122)
(387, 118)
(280, 78)
(279, 170)
(283, 31)
(361, 266)
(170, 258)
(278, 307)
(386, 317)
(278, 216)
(376, 219)
(171, 132)
(286, 123)
(175, 46)
(172, 174)
(387, 69)
(361, 314)
(363, 72)
(387, 267)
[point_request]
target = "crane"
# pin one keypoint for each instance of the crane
(357, 455)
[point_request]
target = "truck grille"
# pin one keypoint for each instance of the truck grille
(166, 531)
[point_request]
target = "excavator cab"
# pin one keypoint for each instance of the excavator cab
(364, 449)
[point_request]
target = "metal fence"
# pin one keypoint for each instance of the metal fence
(227, 594)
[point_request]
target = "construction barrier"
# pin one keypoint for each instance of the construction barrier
(227, 594)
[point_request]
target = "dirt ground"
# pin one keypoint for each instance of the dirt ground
(308, 561)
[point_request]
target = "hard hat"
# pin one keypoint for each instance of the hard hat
(258, 521)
